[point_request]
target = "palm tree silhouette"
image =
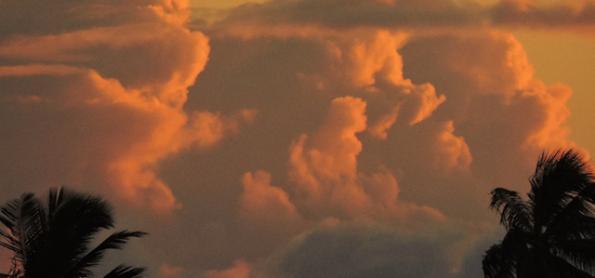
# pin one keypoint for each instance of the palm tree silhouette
(552, 233)
(52, 240)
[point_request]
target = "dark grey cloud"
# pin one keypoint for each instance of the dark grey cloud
(359, 251)
(413, 14)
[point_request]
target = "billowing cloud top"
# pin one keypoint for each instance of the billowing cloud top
(109, 81)
(292, 138)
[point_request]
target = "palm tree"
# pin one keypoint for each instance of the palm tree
(52, 239)
(552, 232)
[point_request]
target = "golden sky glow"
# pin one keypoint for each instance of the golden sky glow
(568, 57)
(268, 141)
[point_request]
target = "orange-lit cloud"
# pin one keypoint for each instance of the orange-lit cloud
(324, 170)
(122, 88)
(493, 82)
(375, 126)
(454, 111)
(170, 271)
(324, 167)
(239, 269)
(264, 206)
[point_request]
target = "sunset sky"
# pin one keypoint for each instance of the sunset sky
(294, 138)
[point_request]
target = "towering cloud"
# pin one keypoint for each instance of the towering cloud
(95, 94)
(413, 119)
(493, 97)
(266, 208)
(294, 138)
(325, 175)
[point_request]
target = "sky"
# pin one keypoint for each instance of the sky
(294, 138)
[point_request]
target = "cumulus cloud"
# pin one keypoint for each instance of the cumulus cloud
(265, 207)
(381, 123)
(323, 169)
(494, 100)
(361, 113)
(105, 96)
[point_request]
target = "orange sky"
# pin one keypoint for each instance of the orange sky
(568, 57)
(269, 140)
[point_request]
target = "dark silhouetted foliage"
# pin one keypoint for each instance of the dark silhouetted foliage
(552, 232)
(52, 239)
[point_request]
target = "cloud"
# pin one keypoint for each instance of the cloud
(373, 126)
(265, 207)
(207, 128)
(325, 171)
(410, 14)
(494, 100)
(239, 269)
(108, 98)
(170, 271)
(364, 251)
(355, 13)
(559, 14)
(325, 176)
(376, 128)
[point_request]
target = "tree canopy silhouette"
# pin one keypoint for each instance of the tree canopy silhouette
(552, 232)
(52, 239)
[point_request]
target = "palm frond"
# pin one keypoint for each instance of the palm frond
(115, 241)
(52, 240)
(580, 253)
(26, 228)
(497, 264)
(76, 219)
(122, 271)
(502, 260)
(32, 220)
(576, 221)
(9, 242)
(9, 213)
(558, 267)
(514, 212)
(558, 178)
(55, 198)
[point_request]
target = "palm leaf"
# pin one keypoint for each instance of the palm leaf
(125, 272)
(514, 212)
(558, 267)
(558, 178)
(76, 218)
(496, 263)
(52, 240)
(55, 199)
(575, 221)
(578, 252)
(115, 241)
(9, 213)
